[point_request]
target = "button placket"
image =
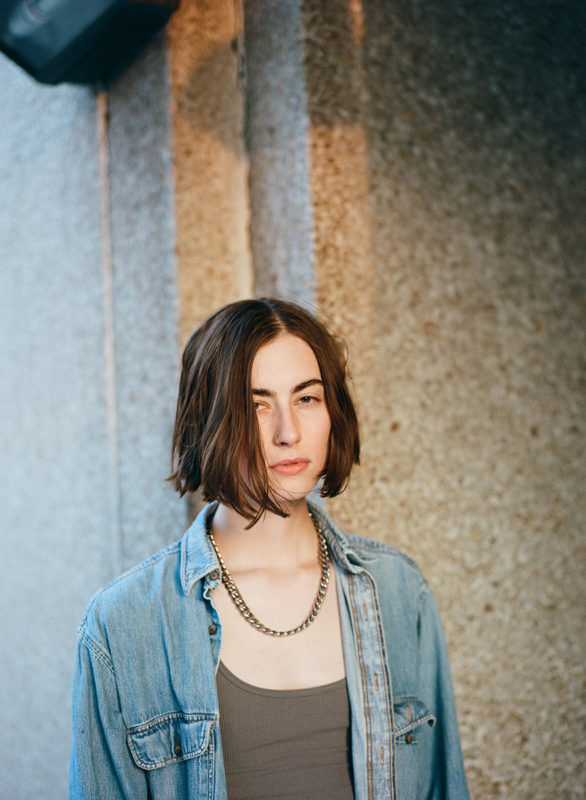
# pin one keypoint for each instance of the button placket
(378, 715)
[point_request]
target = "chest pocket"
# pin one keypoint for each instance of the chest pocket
(410, 715)
(170, 739)
(413, 737)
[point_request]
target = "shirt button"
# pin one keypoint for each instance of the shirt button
(409, 738)
(214, 575)
(177, 749)
(212, 629)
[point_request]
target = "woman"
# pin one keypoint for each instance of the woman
(268, 654)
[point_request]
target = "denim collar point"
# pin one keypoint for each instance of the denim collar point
(198, 558)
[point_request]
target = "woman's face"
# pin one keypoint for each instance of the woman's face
(293, 418)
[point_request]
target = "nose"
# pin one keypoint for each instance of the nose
(287, 430)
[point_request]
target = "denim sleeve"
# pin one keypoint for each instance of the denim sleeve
(101, 764)
(447, 779)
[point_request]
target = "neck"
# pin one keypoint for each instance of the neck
(274, 542)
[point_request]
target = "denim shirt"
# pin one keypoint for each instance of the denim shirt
(145, 705)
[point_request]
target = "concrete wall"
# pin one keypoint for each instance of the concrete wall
(56, 513)
(413, 170)
(88, 342)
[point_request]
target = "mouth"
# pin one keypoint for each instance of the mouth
(290, 466)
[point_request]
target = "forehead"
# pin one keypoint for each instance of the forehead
(283, 363)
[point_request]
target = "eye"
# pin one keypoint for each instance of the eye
(259, 404)
(308, 399)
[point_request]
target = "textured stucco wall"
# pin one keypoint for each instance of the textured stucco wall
(472, 123)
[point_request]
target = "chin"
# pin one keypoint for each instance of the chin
(292, 494)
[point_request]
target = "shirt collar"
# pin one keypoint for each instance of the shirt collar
(198, 558)
(341, 549)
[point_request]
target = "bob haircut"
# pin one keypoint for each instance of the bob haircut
(216, 426)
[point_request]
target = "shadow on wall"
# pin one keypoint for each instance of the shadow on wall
(487, 104)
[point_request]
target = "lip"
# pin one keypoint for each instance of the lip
(290, 466)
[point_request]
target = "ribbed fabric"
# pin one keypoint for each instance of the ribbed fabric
(285, 745)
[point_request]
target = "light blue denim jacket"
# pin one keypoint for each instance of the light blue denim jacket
(145, 707)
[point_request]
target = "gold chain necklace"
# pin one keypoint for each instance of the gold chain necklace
(228, 581)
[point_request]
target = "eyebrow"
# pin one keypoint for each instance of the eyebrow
(299, 388)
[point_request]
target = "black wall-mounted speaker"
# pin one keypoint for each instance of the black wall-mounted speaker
(78, 41)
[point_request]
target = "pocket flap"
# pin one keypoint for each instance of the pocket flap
(409, 714)
(169, 739)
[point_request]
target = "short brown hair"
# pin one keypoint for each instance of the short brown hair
(215, 423)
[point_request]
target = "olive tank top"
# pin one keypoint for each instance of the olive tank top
(285, 745)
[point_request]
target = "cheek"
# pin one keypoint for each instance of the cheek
(323, 433)
(264, 435)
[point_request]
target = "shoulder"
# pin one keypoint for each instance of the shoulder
(397, 577)
(373, 549)
(362, 550)
(137, 591)
(385, 563)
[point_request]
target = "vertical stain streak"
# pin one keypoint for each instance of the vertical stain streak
(109, 335)
(357, 21)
